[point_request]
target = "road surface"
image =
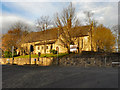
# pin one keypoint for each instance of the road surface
(14, 76)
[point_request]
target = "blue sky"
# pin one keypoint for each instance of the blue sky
(32, 10)
(104, 12)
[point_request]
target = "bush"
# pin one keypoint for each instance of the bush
(53, 51)
(8, 54)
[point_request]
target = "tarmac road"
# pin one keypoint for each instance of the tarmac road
(58, 77)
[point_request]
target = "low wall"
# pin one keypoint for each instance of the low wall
(22, 61)
(89, 60)
(69, 60)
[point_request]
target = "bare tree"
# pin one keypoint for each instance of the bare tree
(115, 31)
(88, 16)
(65, 22)
(19, 25)
(90, 21)
(15, 35)
(43, 22)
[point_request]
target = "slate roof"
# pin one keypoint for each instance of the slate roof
(52, 34)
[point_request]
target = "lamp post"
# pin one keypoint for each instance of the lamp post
(12, 54)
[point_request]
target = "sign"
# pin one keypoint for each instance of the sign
(73, 48)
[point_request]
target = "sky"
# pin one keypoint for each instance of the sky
(105, 13)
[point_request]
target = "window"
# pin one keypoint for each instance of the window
(51, 47)
(57, 48)
(26, 48)
(46, 47)
(82, 43)
(38, 48)
(42, 47)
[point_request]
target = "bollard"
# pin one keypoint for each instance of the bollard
(35, 61)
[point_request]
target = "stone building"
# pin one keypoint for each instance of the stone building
(47, 40)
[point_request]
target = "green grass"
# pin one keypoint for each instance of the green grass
(43, 55)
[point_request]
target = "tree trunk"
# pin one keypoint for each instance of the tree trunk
(68, 49)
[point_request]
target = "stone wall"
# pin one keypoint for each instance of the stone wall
(96, 59)
(22, 61)
(89, 60)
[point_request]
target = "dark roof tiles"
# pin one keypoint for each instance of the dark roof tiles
(53, 33)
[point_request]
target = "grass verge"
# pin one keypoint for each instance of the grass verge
(43, 55)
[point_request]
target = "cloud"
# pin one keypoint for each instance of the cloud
(27, 12)
(7, 20)
(34, 9)
(60, 0)
(104, 13)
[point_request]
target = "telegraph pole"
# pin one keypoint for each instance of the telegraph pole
(91, 35)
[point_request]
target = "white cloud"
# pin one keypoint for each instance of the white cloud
(60, 0)
(104, 13)
(34, 9)
(7, 20)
